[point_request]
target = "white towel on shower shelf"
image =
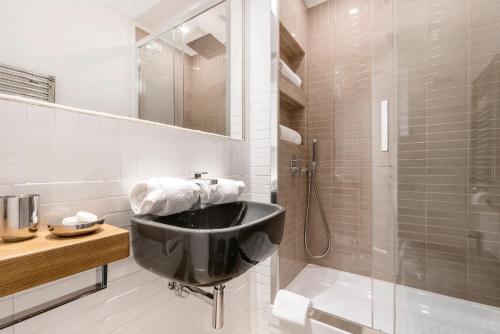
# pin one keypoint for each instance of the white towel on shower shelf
(290, 135)
(291, 307)
(163, 196)
(289, 74)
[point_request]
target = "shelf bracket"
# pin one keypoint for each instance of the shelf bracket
(101, 283)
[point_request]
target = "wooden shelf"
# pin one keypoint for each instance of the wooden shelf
(291, 97)
(290, 48)
(46, 257)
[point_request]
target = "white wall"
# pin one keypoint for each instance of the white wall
(88, 46)
(88, 161)
(79, 160)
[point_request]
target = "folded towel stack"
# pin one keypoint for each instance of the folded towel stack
(290, 135)
(165, 196)
(291, 307)
(289, 74)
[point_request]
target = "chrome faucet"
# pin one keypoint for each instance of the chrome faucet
(198, 176)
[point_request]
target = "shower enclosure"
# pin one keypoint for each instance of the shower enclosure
(403, 98)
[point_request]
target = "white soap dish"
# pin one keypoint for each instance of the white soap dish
(63, 230)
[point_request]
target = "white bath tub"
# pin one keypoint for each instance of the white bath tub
(417, 312)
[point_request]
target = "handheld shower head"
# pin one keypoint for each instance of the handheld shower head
(313, 161)
(312, 187)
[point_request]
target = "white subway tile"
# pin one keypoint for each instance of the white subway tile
(123, 268)
(13, 136)
(118, 294)
(118, 153)
(55, 211)
(139, 314)
(41, 144)
(127, 148)
(110, 148)
(8, 330)
(120, 219)
(91, 148)
(50, 291)
(5, 190)
(68, 157)
(116, 204)
(6, 306)
(63, 191)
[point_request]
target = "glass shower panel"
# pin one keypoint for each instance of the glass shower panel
(161, 79)
(384, 153)
(447, 75)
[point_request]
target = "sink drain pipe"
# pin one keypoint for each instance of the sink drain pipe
(215, 299)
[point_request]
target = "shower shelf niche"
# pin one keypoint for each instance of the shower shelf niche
(291, 97)
(290, 48)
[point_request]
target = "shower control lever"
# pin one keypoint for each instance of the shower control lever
(294, 165)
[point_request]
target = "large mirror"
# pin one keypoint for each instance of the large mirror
(174, 62)
(191, 76)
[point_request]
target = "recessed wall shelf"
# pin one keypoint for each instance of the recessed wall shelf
(46, 257)
(291, 97)
(290, 48)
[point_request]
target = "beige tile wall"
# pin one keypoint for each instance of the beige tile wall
(437, 63)
(292, 194)
(205, 94)
(339, 116)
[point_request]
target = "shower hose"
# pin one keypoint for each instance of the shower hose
(310, 188)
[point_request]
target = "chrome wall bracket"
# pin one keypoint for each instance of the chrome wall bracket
(101, 283)
(215, 299)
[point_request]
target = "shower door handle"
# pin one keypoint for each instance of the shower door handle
(384, 126)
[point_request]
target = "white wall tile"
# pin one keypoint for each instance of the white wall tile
(13, 136)
(6, 306)
(41, 294)
(95, 162)
(68, 158)
(128, 155)
(91, 148)
(41, 144)
(116, 296)
(5, 190)
(63, 191)
(110, 148)
(120, 219)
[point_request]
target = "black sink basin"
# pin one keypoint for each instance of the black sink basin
(208, 246)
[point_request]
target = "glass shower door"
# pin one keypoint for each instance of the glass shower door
(446, 88)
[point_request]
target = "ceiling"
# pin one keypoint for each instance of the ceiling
(312, 3)
(154, 15)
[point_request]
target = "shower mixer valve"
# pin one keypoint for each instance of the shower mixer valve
(294, 165)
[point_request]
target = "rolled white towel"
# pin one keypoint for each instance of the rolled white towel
(290, 135)
(289, 74)
(209, 193)
(163, 196)
(230, 191)
(291, 307)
